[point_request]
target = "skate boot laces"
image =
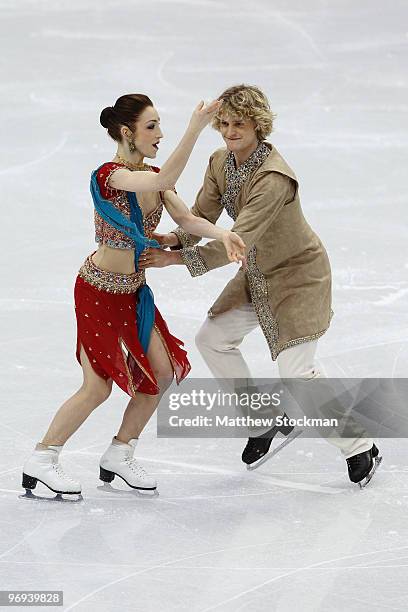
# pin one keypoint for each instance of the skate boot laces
(136, 468)
(353, 462)
(258, 445)
(57, 467)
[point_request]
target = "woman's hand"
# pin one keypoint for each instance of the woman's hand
(203, 114)
(166, 240)
(234, 246)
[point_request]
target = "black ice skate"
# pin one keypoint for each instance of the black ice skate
(257, 452)
(362, 467)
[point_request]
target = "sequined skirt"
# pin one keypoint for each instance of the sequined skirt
(107, 331)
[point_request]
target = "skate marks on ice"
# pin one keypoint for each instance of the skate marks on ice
(201, 469)
(158, 566)
(39, 160)
(368, 359)
(321, 565)
(281, 20)
(25, 537)
(239, 473)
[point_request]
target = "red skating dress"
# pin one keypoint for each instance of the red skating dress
(105, 305)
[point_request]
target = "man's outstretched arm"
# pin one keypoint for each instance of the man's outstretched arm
(273, 191)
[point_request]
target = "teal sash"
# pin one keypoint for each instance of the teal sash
(133, 228)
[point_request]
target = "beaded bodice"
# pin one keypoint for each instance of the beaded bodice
(105, 233)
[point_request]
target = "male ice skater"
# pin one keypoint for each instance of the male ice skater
(286, 284)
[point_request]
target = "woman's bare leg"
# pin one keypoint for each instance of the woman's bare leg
(94, 391)
(140, 408)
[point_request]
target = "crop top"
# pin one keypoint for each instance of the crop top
(105, 233)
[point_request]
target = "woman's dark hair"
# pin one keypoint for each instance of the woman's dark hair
(126, 111)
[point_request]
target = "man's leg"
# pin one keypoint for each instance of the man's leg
(318, 400)
(218, 340)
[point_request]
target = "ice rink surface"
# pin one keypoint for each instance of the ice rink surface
(294, 535)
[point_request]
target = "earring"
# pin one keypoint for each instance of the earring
(132, 146)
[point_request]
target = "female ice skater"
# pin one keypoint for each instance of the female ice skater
(121, 335)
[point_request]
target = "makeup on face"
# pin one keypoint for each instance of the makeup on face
(148, 132)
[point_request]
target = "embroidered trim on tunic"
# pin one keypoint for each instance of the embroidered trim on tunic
(236, 177)
(112, 282)
(297, 341)
(258, 287)
(192, 259)
(259, 293)
(183, 237)
(269, 324)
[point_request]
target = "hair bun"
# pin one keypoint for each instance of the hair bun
(106, 116)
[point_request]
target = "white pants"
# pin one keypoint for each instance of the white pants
(218, 340)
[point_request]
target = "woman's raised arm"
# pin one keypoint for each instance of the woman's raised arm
(125, 179)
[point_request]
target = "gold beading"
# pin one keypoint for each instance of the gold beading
(132, 165)
(112, 282)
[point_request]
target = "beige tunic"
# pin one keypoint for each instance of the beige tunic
(288, 276)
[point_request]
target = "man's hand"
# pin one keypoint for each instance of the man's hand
(235, 247)
(154, 258)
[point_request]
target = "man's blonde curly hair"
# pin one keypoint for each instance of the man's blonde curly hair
(246, 101)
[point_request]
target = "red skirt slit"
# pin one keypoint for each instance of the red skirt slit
(107, 330)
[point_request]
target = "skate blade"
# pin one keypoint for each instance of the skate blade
(292, 436)
(72, 499)
(144, 493)
(364, 483)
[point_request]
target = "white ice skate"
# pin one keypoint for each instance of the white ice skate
(43, 466)
(118, 461)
